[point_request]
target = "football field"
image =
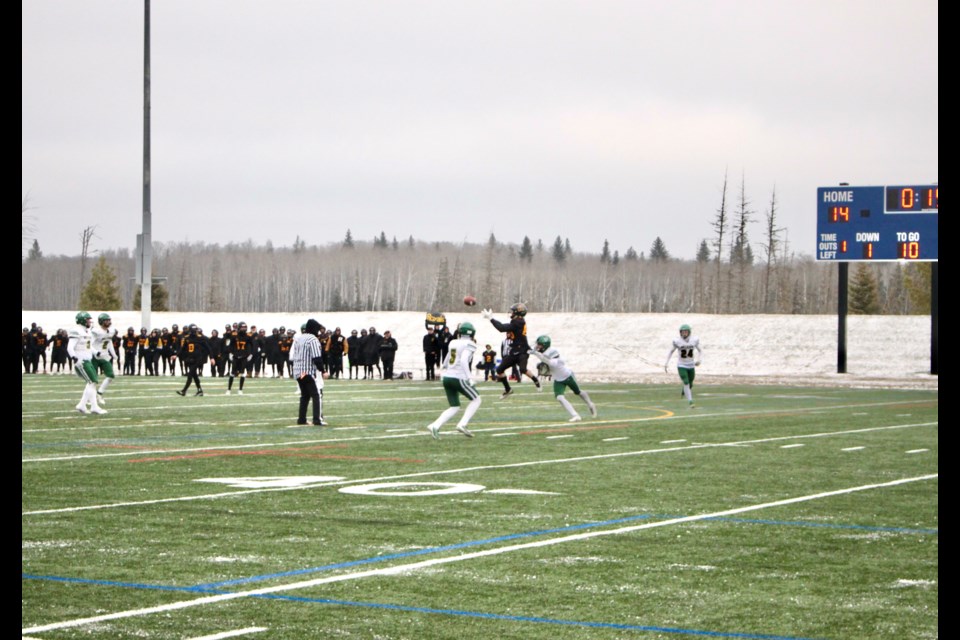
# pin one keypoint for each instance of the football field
(765, 512)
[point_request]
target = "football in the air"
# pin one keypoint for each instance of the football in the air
(470, 301)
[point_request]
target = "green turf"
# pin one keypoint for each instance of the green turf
(116, 518)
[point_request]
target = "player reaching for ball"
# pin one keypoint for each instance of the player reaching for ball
(516, 331)
(563, 377)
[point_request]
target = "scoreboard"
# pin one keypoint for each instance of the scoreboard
(878, 223)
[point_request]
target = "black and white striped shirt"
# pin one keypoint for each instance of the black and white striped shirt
(305, 348)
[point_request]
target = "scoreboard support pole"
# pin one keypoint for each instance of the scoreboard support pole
(842, 280)
(934, 319)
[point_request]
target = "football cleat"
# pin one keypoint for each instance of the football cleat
(434, 431)
(320, 423)
(181, 393)
(100, 397)
(240, 392)
(82, 408)
(508, 392)
(227, 393)
(462, 429)
(593, 409)
(199, 392)
(575, 419)
(98, 410)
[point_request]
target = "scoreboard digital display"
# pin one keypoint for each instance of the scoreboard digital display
(878, 223)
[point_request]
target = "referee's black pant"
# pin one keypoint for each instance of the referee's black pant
(308, 392)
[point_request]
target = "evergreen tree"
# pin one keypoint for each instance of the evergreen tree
(703, 253)
(526, 250)
(567, 248)
(34, 253)
(347, 240)
(559, 255)
(101, 291)
(917, 280)
(658, 251)
(631, 255)
(864, 298)
(605, 253)
(158, 298)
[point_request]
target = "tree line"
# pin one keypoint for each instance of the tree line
(383, 275)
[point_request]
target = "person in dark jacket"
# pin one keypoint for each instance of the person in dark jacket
(388, 351)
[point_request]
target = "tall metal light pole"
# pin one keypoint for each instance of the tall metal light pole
(144, 243)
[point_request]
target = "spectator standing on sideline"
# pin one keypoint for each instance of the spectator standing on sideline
(353, 353)
(388, 352)
(371, 353)
(431, 353)
(306, 356)
(489, 362)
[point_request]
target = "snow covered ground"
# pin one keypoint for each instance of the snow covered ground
(882, 351)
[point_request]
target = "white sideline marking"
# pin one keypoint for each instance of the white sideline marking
(918, 450)
(230, 634)
(615, 439)
(501, 431)
(566, 435)
(423, 474)
(413, 566)
(792, 446)
(853, 449)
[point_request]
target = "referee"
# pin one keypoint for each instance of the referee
(306, 356)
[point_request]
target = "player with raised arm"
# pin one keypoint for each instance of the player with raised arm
(516, 330)
(563, 377)
(455, 374)
(688, 359)
(80, 347)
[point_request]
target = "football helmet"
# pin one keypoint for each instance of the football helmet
(104, 320)
(84, 319)
(685, 328)
(543, 343)
(242, 327)
(518, 310)
(467, 329)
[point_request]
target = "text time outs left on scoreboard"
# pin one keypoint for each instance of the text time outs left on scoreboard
(878, 223)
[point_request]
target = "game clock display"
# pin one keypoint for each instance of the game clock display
(878, 223)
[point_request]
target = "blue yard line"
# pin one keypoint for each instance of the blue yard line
(105, 583)
(421, 552)
(535, 619)
(515, 536)
(432, 611)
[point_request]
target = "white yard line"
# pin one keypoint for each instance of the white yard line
(230, 634)
(491, 430)
(423, 564)
(530, 463)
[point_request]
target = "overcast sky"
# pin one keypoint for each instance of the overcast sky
(452, 119)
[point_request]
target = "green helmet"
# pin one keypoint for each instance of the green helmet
(543, 343)
(103, 318)
(467, 329)
(83, 318)
(518, 309)
(685, 327)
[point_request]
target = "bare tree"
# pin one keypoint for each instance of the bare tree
(770, 247)
(86, 237)
(27, 223)
(720, 223)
